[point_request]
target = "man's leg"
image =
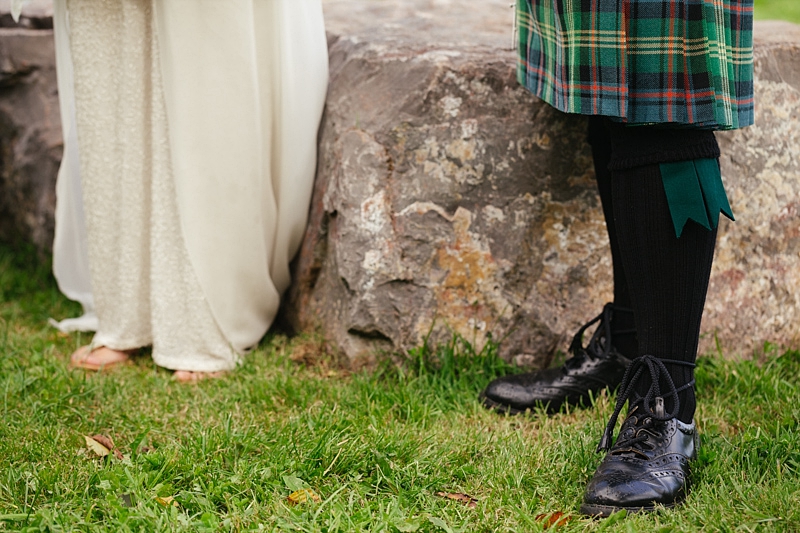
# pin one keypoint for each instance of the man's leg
(623, 325)
(668, 279)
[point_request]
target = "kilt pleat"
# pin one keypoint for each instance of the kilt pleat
(687, 63)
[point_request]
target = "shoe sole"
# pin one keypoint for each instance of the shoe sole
(504, 409)
(604, 511)
(499, 407)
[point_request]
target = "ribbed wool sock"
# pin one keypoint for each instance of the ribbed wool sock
(623, 325)
(667, 276)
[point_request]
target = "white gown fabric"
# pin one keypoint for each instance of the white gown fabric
(190, 133)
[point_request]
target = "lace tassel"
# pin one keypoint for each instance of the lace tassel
(605, 441)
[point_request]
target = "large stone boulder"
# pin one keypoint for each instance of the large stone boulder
(755, 285)
(450, 200)
(30, 135)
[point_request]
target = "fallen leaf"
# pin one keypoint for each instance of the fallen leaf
(94, 446)
(303, 496)
(105, 441)
(166, 501)
(108, 444)
(468, 500)
(556, 519)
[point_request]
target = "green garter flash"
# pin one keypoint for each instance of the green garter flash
(695, 191)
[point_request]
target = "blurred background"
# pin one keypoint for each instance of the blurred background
(778, 9)
(765, 9)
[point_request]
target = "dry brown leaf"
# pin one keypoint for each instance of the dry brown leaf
(556, 519)
(166, 501)
(95, 446)
(468, 500)
(105, 441)
(303, 496)
(108, 444)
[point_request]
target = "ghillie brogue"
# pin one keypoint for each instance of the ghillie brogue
(592, 368)
(648, 466)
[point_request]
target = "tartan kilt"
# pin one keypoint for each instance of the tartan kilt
(688, 63)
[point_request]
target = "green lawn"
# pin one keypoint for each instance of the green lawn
(778, 9)
(376, 447)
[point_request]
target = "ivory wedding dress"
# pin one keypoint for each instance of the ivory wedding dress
(190, 133)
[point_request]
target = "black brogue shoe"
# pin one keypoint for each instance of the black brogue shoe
(592, 368)
(648, 466)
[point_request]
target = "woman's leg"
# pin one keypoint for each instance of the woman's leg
(109, 66)
(145, 289)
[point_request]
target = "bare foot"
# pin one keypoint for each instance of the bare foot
(98, 359)
(187, 376)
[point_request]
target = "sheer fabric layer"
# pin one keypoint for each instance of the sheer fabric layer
(197, 157)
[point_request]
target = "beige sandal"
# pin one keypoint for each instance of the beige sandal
(98, 359)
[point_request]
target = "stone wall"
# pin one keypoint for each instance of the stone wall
(450, 200)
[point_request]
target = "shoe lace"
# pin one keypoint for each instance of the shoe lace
(634, 436)
(599, 344)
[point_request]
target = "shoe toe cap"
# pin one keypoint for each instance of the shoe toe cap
(523, 391)
(623, 490)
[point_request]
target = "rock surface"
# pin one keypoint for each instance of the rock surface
(450, 200)
(30, 134)
(754, 295)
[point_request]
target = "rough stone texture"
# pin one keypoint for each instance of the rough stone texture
(754, 295)
(450, 200)
(430, 24)
(30, 136)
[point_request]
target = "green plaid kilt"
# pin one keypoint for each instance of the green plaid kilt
(684, 62)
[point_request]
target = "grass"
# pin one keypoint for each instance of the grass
(778, 9)
(376, 447)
